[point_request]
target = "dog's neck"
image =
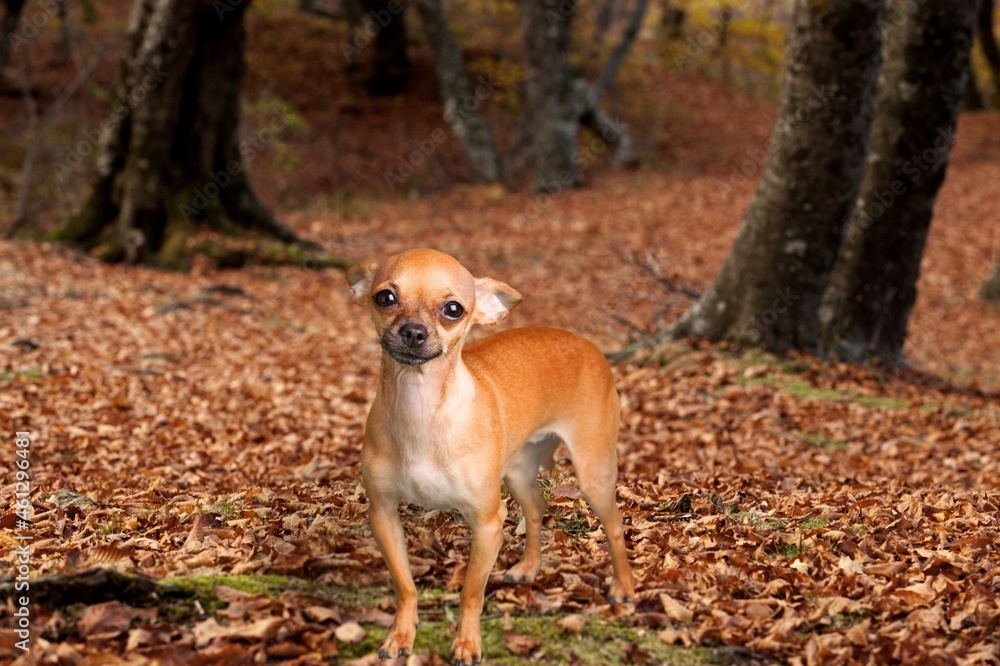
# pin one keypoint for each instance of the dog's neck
(423, 400)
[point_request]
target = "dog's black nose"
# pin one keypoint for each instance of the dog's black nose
(414, 335)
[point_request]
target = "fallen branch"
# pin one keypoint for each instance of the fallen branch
(88, 587)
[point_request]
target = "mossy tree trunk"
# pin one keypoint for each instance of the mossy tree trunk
(769, 290)
(922, 86)
(170, 156)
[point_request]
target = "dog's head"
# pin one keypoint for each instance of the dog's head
(423, 302)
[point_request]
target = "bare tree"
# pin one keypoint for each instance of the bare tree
(461, 101)
(922, 86)
(771, 285)
(589, 96)
(170, 154)
(558, 102)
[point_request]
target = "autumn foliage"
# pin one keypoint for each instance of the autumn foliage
(206, 426)
(210, 424)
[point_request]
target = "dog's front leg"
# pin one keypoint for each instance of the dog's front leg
(487, 526)
(383, 514)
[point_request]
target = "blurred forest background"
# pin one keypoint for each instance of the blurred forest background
(778, 216)
(159, 144)
(310, 63)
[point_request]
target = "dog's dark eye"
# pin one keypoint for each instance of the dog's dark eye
(453, 310)
(385, 298)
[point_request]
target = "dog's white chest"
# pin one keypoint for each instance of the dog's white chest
(429, 435)
(432, 485)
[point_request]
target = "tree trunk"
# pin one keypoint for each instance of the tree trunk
(589, 97)
(169, 153)
(8, 30)
(461, 103)
(550, 104)
(988, 40)
(771, 285)
(391, 66)
(558, 102)
(874, 283)
(990, 290)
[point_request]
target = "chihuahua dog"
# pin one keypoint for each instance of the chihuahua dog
(450, 421)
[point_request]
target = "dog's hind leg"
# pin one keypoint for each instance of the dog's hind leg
(598, 477)
(521, 478)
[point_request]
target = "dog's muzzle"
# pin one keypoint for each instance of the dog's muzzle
(408, 345)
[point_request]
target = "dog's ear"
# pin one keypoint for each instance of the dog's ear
(359, 277)
(494, 301)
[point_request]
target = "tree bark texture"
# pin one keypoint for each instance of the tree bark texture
(922, 87)
(770, 288)
(461, 101)
(550, 105)
(170, 154)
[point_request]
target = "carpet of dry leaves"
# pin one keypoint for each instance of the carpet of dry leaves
(210, 423)
(811, 513)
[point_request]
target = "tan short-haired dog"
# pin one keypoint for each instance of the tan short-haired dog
(450, 421)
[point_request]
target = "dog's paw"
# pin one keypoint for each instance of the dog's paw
(522, 572)
(467, 652)
(396, 644)
(621, 593)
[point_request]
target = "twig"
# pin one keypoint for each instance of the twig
(628, 323)
(672, 285)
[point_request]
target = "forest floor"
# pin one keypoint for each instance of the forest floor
(204, 429)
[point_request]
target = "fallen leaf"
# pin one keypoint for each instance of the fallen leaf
(350, 632)
(675, 609)
(520, 644)
(573, 623)
(105, 619)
